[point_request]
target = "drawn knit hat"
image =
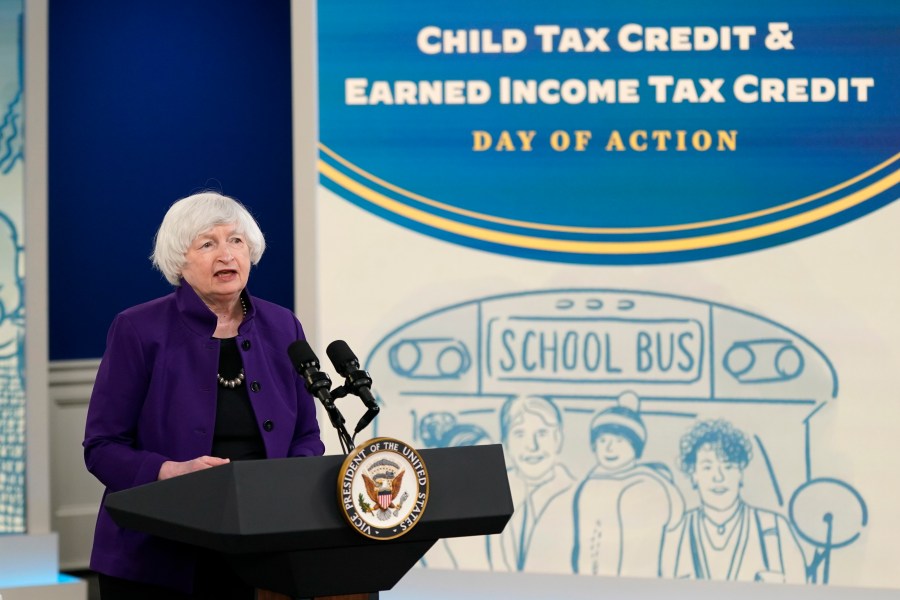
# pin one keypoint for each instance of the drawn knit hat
(623, 420)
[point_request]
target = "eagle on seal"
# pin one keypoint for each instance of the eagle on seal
(383, 490)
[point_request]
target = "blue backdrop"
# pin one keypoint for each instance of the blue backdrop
(766, 169)
(151, 101)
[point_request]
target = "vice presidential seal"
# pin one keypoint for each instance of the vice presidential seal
(383, 488)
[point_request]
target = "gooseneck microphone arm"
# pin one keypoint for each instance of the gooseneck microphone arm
(319, 384)
(356, 381)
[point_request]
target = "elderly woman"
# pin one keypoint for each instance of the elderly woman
(191, 381)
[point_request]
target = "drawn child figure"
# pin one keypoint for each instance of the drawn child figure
(442, 430)
(623, 510)
(12, 387)
(532, 435)
(725, 538)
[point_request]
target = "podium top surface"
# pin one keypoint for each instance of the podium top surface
(292, 503)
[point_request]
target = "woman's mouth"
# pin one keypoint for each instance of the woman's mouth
(532, 459)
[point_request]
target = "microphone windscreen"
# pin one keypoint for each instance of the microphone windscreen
(341, 357)
(302, 354)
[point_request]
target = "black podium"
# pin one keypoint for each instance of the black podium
(279, 524)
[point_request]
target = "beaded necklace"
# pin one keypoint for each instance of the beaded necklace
(239, 380)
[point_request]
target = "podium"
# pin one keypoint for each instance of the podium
(279, 524)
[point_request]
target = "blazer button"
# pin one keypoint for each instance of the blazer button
(246, 345)
(255, 386)
(268, 425)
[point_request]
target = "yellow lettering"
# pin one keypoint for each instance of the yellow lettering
(663, 140)
(615, 142)
(633, 140)
(661, 136)
(504, 142)
(481, 140)
(560, 140)
(526, 137)
(701, 140)
(727, 139)
(581, 139)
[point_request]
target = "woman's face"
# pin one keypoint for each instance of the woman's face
(217, 264)
(533, 444)
(717, 480)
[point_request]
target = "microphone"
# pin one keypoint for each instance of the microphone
(356, 381)
(318, 384)
(307, 364)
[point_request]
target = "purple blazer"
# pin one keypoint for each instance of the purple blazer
(155, 400)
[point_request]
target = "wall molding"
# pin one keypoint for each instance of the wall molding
(75, 494)
(71, 381)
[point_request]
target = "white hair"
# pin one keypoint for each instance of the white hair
(191, 216)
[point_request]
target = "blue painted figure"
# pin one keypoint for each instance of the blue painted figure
(11, 305)
(12, 385)
(531, 430)
(624, 515)
(623, 510)
(725, 538)
(442, 430)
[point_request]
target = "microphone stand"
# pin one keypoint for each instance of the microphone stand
(318, 384)
(321, 381)
(359, 383)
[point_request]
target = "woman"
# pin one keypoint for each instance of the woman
(190, 381)
(531, 429)
(724, 538)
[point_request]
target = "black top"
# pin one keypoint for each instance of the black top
(237, 434)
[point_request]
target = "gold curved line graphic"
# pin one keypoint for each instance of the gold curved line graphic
(606, 230)
(579, 247)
